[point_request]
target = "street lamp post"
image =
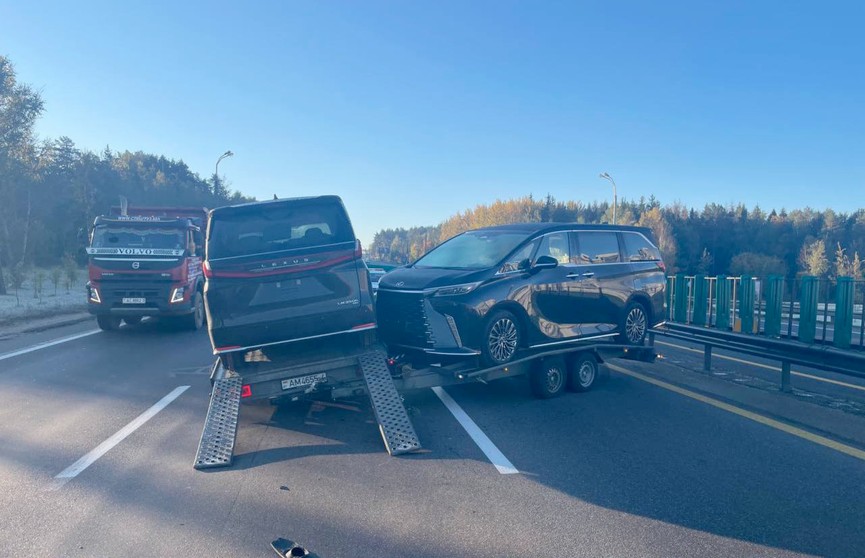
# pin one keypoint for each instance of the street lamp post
(228, 153)
(606, 176)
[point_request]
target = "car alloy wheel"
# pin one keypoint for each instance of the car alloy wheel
(635, 325)
(502, 340)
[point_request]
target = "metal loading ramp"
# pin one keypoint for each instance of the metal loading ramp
(216, 447)
(393, 421)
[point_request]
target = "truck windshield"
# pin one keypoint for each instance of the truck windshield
(138, 237)
(472, 250)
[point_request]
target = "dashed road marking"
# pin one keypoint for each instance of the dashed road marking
(496, 457)
(89, 458)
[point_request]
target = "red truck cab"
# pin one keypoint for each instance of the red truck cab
(146, 261)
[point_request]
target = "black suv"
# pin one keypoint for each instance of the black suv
(493, 291)
(284, 270)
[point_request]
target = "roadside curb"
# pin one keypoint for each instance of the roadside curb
(8, 328)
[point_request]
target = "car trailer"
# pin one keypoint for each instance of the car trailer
(349, 372)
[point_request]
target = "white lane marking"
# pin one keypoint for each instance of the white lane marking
(496, 457)
(47, 344)
(766, 366)
(89, 458)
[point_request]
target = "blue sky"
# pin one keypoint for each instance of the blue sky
(412, 111)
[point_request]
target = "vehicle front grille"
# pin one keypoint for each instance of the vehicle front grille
(402, 319)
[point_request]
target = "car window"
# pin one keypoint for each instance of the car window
(598, 247)
(556, 245)
(272, 228)
(472, 250)
(639, 249)
(519, 259)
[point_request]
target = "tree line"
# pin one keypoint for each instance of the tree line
(50, 190)
(717, 239)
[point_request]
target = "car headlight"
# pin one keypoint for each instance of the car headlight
(177, 294)
(454, 290)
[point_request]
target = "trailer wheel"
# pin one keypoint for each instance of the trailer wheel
(548, 377)
(583, 372)
(107, 322)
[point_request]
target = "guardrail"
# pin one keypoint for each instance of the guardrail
(808, 309)
(785, 351)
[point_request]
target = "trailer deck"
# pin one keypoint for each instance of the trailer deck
(368, 369)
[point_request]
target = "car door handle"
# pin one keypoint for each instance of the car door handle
(588, 274)
(573, 276)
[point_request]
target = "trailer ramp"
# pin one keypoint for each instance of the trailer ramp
(216, 447)
(393, 421)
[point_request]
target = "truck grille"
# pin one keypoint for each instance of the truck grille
(402, 319)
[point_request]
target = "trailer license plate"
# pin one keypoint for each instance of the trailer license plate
(134, 300)
(304, 381)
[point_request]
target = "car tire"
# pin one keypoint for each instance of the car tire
(501, 338)
(583, 372)
(548, 377)
(107, 322)
(634, 325)
(132, 320)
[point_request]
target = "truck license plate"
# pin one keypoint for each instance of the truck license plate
(302, 381)
(134, 300)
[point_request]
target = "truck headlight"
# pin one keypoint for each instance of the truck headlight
(93, 295)
(177, 294)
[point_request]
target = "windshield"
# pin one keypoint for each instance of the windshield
(137, 237)
(473, 250)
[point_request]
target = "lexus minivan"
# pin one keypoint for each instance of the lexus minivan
(491, 292)
(284, 270)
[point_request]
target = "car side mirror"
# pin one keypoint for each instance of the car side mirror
(545, 262)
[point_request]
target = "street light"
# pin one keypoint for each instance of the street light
(228, 153)
(606, 176)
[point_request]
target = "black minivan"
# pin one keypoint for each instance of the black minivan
(493, 291)
(284, 270)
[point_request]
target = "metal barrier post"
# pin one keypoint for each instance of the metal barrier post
(746, 305)
(722, 286)
(774, 303)
(671, 286)
(808, 309)
(707, 358)
(701, 294)
(680, 300)
(843, 313)
(785, 376)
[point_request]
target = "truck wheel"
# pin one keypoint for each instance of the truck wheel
(195, 320)
(548, 377)
(107, 322)
(583, 372)
(132, 320)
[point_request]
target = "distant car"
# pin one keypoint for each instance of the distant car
(375, 274)
(284, 270)
(493, 291)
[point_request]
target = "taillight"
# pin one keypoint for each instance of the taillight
(358, 249)
(246, 391)
(205, 268)
(662, 266)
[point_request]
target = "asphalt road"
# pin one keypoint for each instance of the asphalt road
(630, 469)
